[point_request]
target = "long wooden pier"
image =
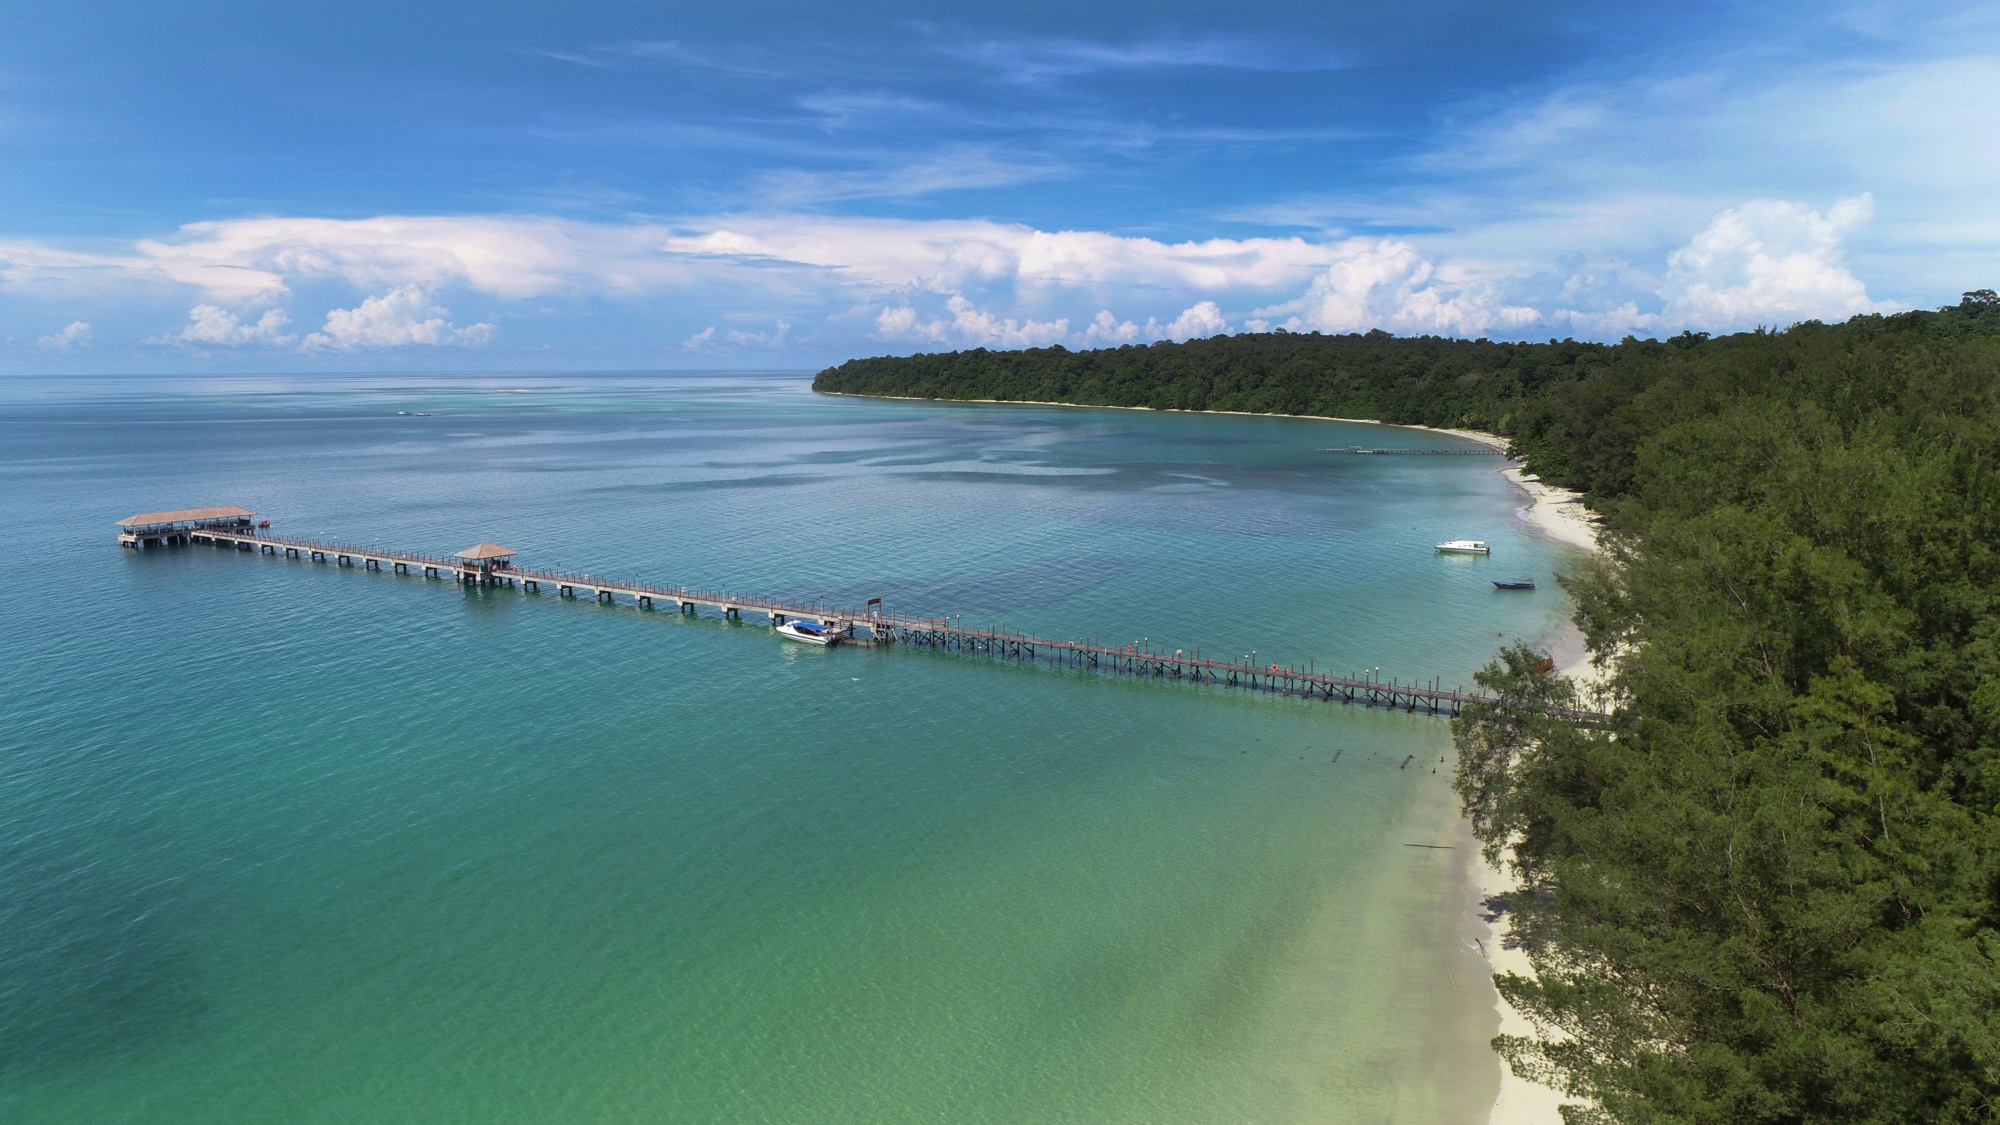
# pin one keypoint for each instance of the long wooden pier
(1138, 660)
(646, 595)
(883, 628)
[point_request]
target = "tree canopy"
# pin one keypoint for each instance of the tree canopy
(1769, 891)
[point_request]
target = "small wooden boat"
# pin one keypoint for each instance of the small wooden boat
(810, 634)
(1513, 583)
(1464, 547)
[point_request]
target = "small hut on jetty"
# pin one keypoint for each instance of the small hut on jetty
(486, 559)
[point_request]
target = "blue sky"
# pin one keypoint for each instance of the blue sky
(358, 185)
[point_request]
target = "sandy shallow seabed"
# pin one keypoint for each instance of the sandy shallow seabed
(1557, 514)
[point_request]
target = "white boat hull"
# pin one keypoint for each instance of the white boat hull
(811, 635)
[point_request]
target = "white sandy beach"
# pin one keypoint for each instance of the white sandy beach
(1555, 512)
(1521, 1102)
(1558, 514)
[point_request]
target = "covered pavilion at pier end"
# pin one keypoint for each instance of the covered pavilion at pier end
(159, 529)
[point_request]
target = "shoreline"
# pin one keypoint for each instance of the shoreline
(1520, 1102)
(1475, 435)
(1557, 514)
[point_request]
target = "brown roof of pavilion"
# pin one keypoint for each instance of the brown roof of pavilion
(484, 551)
(185, 515)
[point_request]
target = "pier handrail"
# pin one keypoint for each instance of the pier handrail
(880, 622)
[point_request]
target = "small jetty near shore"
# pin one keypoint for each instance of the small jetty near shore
(489, 564)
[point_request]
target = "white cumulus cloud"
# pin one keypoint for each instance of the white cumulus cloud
(707, 340)
(803, 261)
(901, 323)
(516, 257)
(1202, 319)
(218, 327)
(1608, 324)
(1105, 331)
(937, 283)
(76, 334)
(1769, 262)
(242, 259)
(971, 326)
(775, 338)
(1388, 284)
(401, 317)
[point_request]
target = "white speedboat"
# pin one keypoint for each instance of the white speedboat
(1464, 547)
(810, 634)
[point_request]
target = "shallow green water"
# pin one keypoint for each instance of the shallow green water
(284, 842)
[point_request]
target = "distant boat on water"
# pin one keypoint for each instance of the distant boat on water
(810, 634)
(1464, 547)
(1514, 583)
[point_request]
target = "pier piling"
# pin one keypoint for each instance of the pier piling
(489, 565)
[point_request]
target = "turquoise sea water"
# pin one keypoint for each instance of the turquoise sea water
(280, 842)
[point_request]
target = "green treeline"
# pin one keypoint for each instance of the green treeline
(1574, 410)
(1769, 889)
(1427, 380)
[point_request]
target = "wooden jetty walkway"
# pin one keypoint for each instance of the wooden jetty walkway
(1138, 660)
(491, 565)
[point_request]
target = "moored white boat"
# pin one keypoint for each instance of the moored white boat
(810, 634)
(1464, 547)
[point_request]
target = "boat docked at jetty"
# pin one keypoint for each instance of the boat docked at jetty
(1464, 547)
(810, 634)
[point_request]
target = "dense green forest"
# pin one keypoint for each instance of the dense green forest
(1768, 890)
(1428, 380)
(1574, 410)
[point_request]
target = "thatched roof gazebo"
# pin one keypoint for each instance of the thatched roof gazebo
(487, 557)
